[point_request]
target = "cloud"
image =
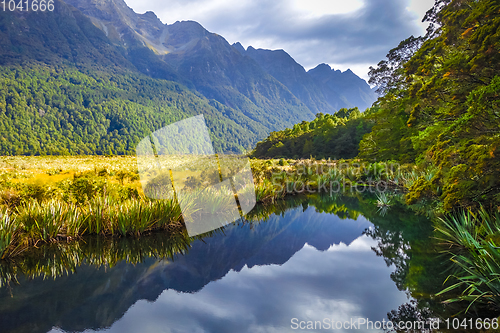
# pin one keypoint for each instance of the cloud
(344, 34)
(342, 283)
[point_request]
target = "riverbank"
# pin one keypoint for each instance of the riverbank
(49, 200)
(54, 199)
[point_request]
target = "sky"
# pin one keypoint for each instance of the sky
(266, 298)
(354, 34)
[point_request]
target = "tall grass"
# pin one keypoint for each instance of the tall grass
(383, 199)
(473, 242)
(53, 199)
(54, 220)
(7, 233)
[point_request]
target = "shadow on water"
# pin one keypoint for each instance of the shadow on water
(92, 283)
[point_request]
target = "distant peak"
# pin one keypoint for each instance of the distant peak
(324, 66)
(150, 14)
(321, 68)
(189, 23)
(350, 73)
(239, 47)
(189, 28)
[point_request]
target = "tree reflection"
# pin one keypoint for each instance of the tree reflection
(404, 239)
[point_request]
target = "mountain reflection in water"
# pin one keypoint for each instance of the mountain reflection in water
(249, 277)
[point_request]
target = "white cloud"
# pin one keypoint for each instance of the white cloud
(341, 283)
(419, 8)
(318, 8)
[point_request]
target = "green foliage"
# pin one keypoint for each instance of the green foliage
(327, 136)
(441, 105)
(60, 111)
(473, 240)
(8, 231)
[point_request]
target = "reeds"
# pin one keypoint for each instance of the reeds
(383, 199)
(54, 220)
(473, 241)
(383, 203)
(64, 198)
(7, 233)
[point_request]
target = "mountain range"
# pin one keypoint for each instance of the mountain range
(150, 74)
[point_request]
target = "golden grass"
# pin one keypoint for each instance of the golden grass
(53, 198)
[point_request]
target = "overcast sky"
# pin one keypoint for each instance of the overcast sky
(345, 34)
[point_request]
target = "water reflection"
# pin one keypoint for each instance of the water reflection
(340, 283)
(310, 262)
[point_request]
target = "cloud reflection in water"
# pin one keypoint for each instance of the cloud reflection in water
(341, 283)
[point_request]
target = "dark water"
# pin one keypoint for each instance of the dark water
(311, 259)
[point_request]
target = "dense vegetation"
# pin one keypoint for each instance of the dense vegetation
(441, 102)
(327, 136)
(53, 111)
(439, 111)
(66, 88)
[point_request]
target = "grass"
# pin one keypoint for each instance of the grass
(383, 203)
(54, 199)
(473, 243)
(8, 231)
(383, 199)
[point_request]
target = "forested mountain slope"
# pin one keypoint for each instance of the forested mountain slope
(94, 77)
(327, 136)
(205, 59)
(441, 105)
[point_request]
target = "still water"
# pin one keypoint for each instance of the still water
(304, 262)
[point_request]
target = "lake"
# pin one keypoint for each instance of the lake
(305, 261)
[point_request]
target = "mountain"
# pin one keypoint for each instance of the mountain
(281, 65)
(322, 89)
(94, 77)
(218, 72)
(65, 88)
(62, 37)
(205, 59)
(353, 90)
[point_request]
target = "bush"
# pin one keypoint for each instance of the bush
(10, 198)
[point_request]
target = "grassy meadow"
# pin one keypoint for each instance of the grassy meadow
(60, 198)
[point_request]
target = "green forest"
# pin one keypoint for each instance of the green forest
(440, 106)
(439, 109)
(327, 136)
(62, 111)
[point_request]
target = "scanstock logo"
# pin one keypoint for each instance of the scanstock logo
(178, 162)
